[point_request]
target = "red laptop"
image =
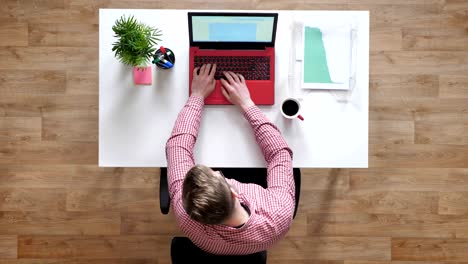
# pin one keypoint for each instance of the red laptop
(239, 42)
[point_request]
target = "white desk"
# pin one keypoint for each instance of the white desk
(136, 121)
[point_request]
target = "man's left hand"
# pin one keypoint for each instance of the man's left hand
(203, 83)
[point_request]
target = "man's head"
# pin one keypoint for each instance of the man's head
(206, 195)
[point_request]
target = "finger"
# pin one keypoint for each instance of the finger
(235, 77)
(242, 78)
(225, 93)
(228, 77)
(207, 69)
(202, 69)
(195, 71)
(213, 71)
(226, 85)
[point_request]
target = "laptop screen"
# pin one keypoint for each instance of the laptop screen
(232, 29)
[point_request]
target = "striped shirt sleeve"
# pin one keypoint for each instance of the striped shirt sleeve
(180, 145)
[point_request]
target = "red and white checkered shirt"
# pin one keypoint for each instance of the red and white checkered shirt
(271, 209)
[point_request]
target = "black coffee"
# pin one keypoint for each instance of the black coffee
(290, 107)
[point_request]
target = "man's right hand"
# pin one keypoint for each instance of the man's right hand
(235, 90)
(203, 83)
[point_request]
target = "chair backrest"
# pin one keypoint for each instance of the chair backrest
(184, 251)
(245, 175)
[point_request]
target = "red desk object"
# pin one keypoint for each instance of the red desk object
(142, 76)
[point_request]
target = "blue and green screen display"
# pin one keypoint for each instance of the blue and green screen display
(232, 29)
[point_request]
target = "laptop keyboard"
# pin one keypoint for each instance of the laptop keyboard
(251, 67)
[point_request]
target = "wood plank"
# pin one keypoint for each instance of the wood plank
(211, 4)
(409, 179)
(400, 85)
(151, 223)
(299, 225)
(377, 202)
(416, 156)
(386, 225)
(66, 105)
(88, 9)
(49, 105)
(459, 8)
(385, 38)
(461, 232)
(13, 34)
(32, 199)
(324, 179)
(455, 5)
(413, 109)
(433, 249)
(453, 203)
(391, 132)
(80, 129)
(39, 5)
(301, 261)
(43, 11)
(20, 129)
(59, 223)
(436, 39)
(449, 130)
(396, 2)
(97, 247)
(82, 82)
(331, 248)
(80, 261)
(453, 86)
(8, 11)
(50, 58)
(124, 200)
(8, 247)
(301, 5)
(390, 109)
(49, 152)
(35, 176)
(159, 4)
(64, 35)
(465, 139)
(92, 176)
(419, 62)
(32, 82)
(402, 262)
(415, 15)
(78, 176)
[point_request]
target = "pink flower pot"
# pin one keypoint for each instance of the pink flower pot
(142, 76)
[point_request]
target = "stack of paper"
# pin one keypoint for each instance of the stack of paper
(326, 56)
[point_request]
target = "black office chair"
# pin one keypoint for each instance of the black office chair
(184, 251)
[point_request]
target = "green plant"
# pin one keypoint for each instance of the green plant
(136, 41)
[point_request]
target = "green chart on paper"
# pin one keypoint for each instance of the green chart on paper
(315, 58)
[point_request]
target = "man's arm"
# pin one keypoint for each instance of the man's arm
(274, 148)
(278, 155)
(179, 147)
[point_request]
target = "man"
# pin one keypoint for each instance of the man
(222, 216)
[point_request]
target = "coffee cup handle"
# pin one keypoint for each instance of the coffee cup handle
(300, 117)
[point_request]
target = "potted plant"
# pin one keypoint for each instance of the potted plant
(135, 46)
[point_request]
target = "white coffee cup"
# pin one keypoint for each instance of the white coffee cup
(291, 108)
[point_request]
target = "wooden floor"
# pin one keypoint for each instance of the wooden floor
(57, 206)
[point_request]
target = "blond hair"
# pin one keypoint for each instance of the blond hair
(206, 197)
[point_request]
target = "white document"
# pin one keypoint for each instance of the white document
(326, 62)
